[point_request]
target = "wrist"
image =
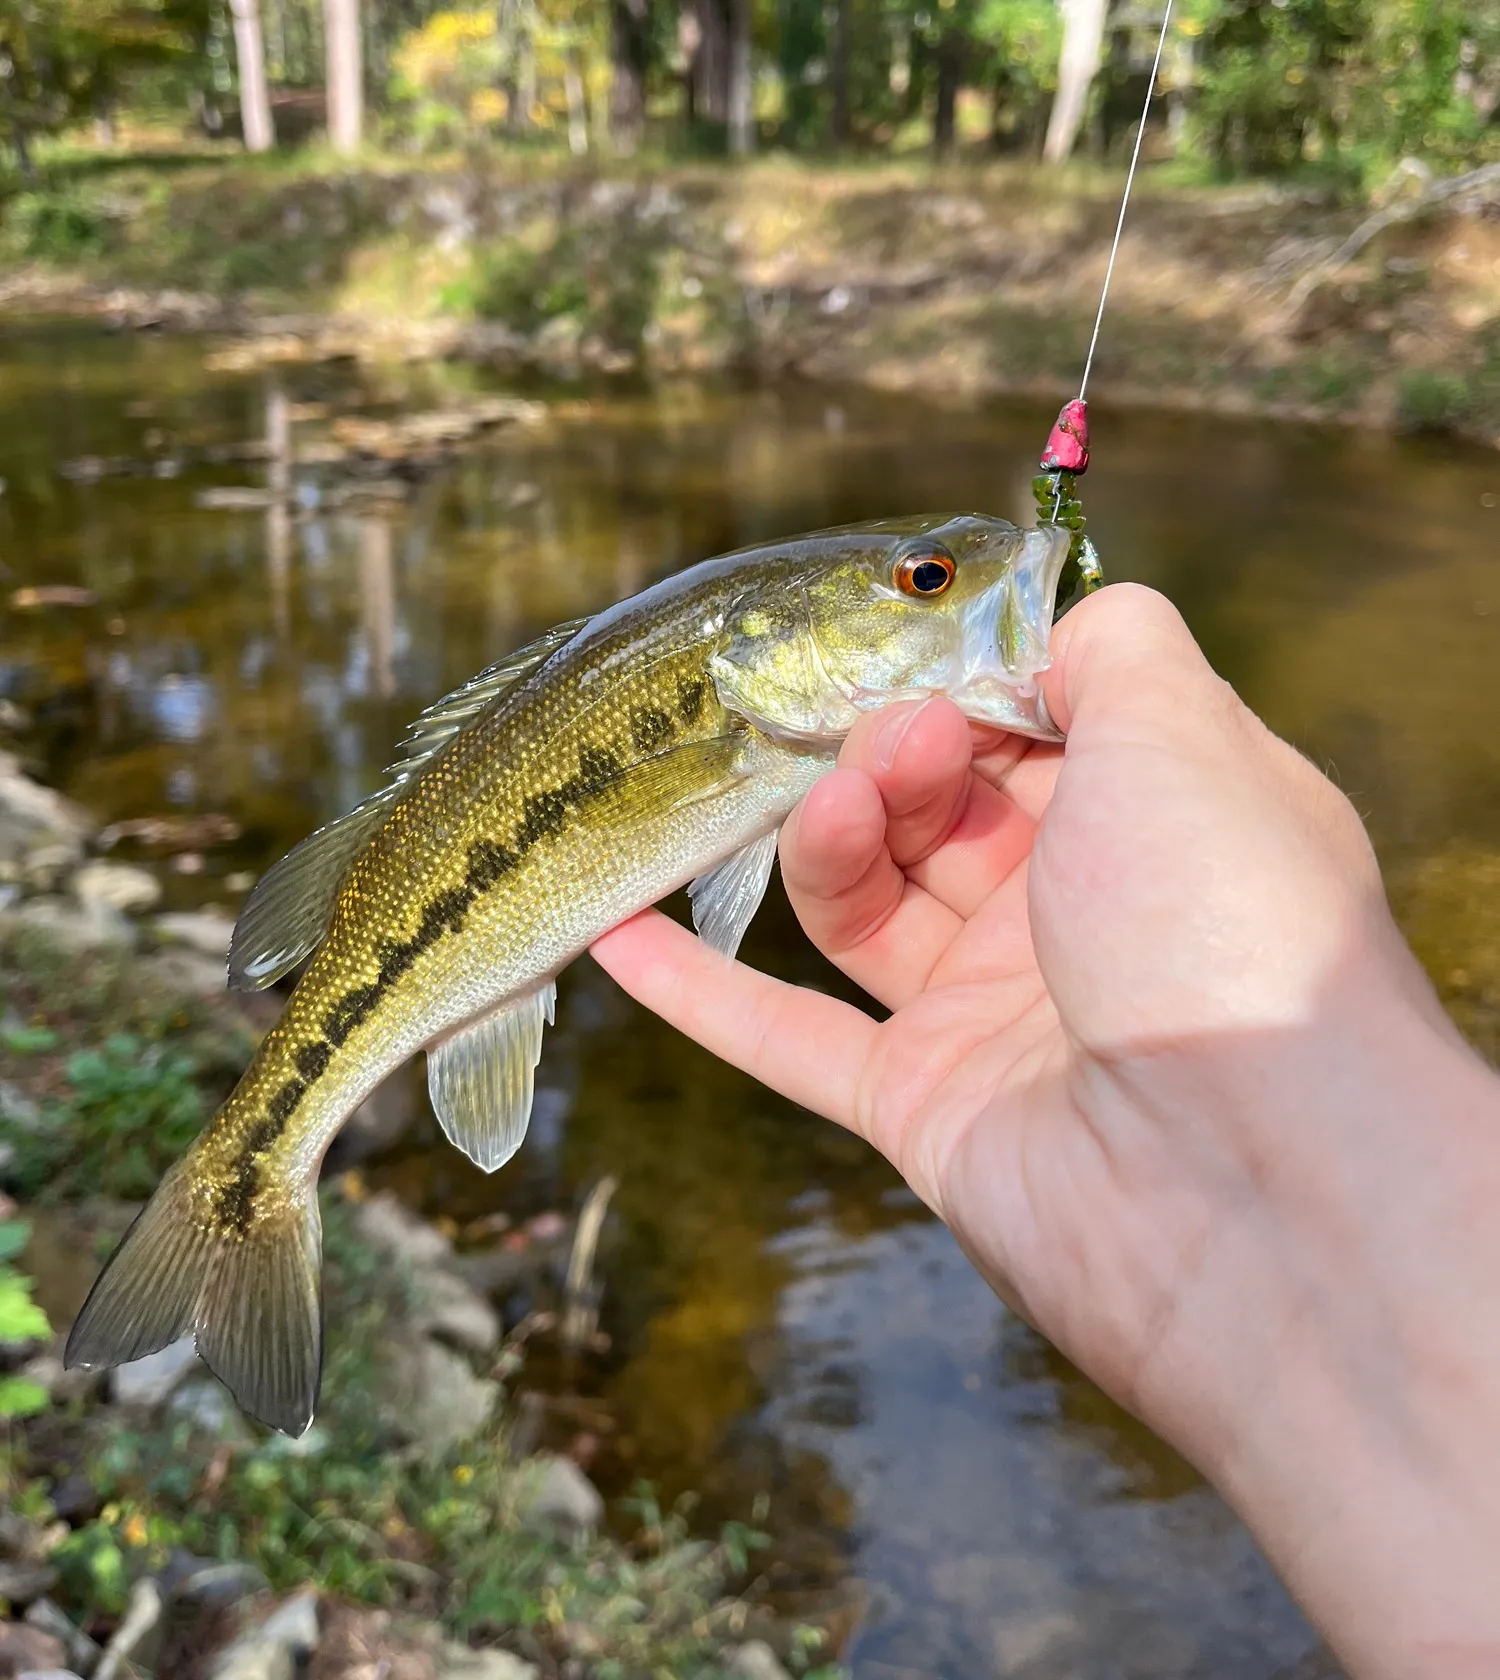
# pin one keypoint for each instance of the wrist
(1359, 1441)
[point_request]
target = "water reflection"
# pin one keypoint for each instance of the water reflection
(783, 1317)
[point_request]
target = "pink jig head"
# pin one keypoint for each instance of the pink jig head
(1057, 503)
(1068, 442)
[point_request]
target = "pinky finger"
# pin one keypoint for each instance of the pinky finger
(804, 1044)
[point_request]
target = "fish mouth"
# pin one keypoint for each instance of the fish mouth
(1007, 634)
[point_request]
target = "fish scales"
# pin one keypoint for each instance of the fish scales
(501, 841)
(571, 785)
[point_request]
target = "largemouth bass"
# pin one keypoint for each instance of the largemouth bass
(608, 763)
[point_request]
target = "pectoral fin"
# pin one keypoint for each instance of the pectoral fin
(727, 897)
(481, 1078)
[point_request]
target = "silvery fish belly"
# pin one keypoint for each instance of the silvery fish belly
(578, 780)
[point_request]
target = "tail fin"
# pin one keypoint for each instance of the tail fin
(251, 1300)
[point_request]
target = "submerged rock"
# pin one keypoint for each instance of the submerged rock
(561, 1500)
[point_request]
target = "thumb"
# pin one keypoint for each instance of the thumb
(1123, 660)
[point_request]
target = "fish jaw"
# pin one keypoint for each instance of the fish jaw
(1005, 641)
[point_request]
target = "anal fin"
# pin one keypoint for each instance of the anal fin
(727, 897)
(481, 1078)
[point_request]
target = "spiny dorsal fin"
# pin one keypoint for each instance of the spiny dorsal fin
(287, 915)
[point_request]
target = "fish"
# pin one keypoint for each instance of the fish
(591, 773)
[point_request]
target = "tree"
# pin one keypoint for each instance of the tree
(341, 37)
(255, 93)
(628, 57)
(1083, 35)
(741, 81)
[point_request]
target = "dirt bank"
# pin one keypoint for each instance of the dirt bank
(963, 282)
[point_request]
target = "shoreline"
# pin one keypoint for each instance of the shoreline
(962, 285)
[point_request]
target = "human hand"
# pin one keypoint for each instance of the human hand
(1159, 1057)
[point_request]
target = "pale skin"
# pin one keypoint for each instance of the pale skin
(1160, 1058)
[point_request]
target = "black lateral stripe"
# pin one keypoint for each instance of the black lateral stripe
(543, 814)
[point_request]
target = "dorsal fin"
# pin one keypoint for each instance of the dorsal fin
(287, 915)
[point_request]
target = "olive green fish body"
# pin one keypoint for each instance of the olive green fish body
(664, 739)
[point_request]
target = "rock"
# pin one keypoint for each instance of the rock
(453, 1312)
(208, 1406)
(385, 1224)
(430, 1395)
(135, 1641)
(75, 1498)
(75, 927)
(755, 1660)
(561, 1500)
(17, 1108)
(80, 1652)
(150, 1381)
(277, 1648)
(460, 1662)
(116, 886)
(24, 1649)
(21, 1581)
(41, 833)
(381, 1119)
(46, 1370)
(206, 931)
(234, 498)
(181, 969)
(194, 1580)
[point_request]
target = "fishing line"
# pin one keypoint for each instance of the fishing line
(1114, 249)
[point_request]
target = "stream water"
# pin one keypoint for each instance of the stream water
(783, 1319)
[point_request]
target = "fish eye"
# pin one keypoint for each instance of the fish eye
(927, 570)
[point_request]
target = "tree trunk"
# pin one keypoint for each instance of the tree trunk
(950, 63)
(711, 65)
(627, 95)
(345, 81)
(578, 114)
(838, 74)
(1083, 36)
(22, 145)
(741, 81)
(255, 94)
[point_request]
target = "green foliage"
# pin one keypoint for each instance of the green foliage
(1346, 85)
(55, 225)
(128, 1111)
(21, 1320)
(1431, 400)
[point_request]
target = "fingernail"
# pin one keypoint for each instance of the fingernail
(892, 733)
